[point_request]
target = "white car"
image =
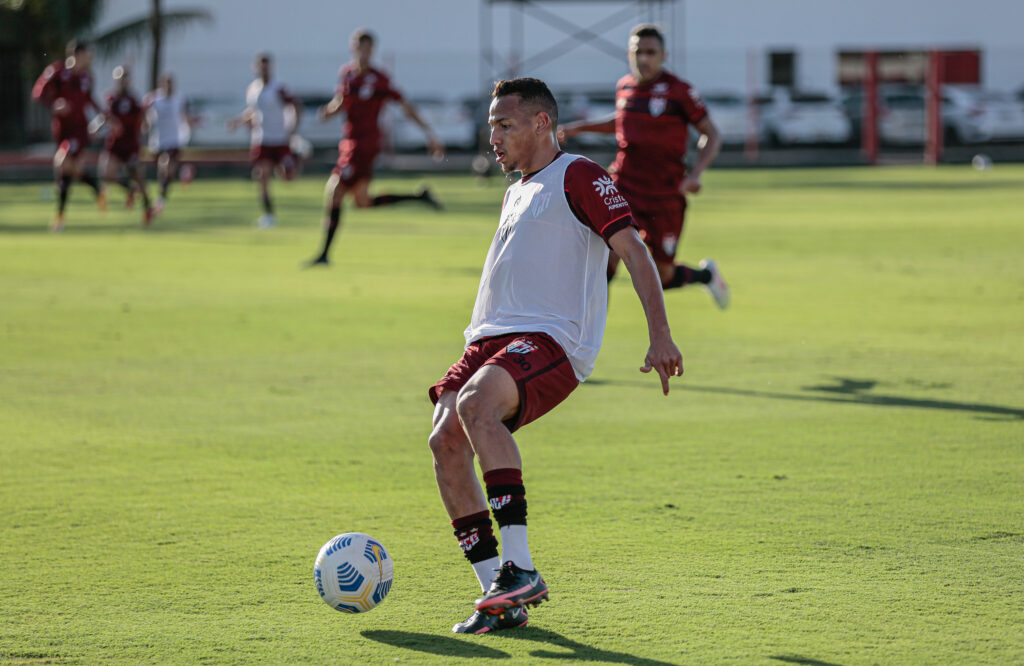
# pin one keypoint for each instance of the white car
(974, 116)
(451, 120)
(791, 117)
(900, 115)
(730, 114)
(212, 129)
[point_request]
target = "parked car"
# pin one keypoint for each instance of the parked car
(324, 134)
(451, 120)
(971, 116)
(590, 106)
(730, 114)
(212, 129)
(790, 117)
(901, 119)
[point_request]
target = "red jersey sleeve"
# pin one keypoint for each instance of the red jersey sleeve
(44, 90)
(595, 200)
(392, 92)
(693, 106)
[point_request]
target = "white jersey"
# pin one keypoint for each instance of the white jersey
(272, 117)
(546, 269)
(168, 124)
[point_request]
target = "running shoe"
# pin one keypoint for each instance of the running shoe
(511, 588)
(482, 623)
(718, 289)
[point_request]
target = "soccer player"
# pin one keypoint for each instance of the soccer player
(66, 88)
(267, 115)
(362, 93)
(535, 331)
(124, 115)
(170, 125)
(653, 111)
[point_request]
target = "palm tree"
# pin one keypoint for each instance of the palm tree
(153, 27)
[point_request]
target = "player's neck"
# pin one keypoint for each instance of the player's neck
(648, 81)
(541, 159)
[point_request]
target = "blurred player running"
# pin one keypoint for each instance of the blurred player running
(533, 337)
(170, 125)
(272, 115)
(123, 115)
(362, 93)
(653, 111)
(66, 88)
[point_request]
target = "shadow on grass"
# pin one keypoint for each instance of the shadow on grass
(576, 651)
(797, 659)
(847, 391)
(453, 647)
(445, 646)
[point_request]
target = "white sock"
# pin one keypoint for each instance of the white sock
(486, 571)
(515, 547)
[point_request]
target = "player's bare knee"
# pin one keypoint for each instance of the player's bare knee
(473, 408)
(448, 442)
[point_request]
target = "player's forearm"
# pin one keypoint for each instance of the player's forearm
(707, 152)
(603, 126)
(647, 285)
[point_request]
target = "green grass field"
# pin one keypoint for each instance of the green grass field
(187, 416)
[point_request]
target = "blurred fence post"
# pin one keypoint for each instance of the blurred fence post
(933, 109)
(869, 130)
(753, 140)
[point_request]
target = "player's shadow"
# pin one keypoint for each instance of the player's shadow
(445, 646)
(448, 646)
(847, 391)
(574, 650)
(797, 659)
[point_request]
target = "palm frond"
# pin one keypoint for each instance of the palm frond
(139, 30)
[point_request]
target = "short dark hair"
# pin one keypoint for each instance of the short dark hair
(264, 56)
(76, 46)
(648, 30)
(363, 35)
(531, 91)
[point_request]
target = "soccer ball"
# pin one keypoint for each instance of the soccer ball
(353, 572)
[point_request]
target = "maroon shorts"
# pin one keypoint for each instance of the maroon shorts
(276, 154)
(536, 362)
(70, 136)
(355, 161)
(660, 220)
(126, 151)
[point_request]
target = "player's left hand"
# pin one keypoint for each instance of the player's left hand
(666, 359)
(436, 149)
(690, 185)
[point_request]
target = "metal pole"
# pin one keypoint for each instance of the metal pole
(869, 128)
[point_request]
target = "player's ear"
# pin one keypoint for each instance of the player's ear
(542, 122)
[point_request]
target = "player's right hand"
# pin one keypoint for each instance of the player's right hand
(666, 359)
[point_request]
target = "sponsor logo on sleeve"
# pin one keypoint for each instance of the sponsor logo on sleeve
(606, 189)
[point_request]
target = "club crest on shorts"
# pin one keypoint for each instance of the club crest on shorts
(521, 347)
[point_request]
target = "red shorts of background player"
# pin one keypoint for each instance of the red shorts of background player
(660, 220)
(355, 161)
(277, 155)
(70, 136)
(126, 151)
(536, 362)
